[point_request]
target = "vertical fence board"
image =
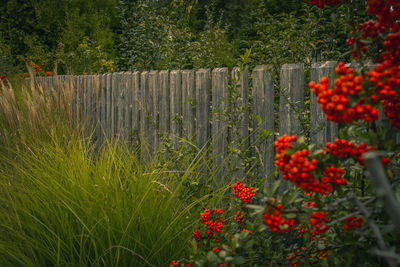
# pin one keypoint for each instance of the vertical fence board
(292, 87)
(154, 106)
(145, 103)
(136, 104)
(188, 100)
(239, 130)
(108, 104)
(164, 102)
(175, 105)
(97, 106)
(128, 105)
(263, 108)
(103, 99)
(114, 103)
(219, 127)
(203, 129)
(322, 131)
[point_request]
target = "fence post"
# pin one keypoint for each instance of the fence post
(263, 108)
(188, 100)
(203, 108)
(321, 130)
(154, 96)
(102, 123)
(239, 131)
(165, 102)
(135, 105)
(144, 111)
(219, 127)
(292, 89)
(108, 112)
(176, 106)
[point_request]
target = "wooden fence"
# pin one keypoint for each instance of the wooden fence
(145, 105)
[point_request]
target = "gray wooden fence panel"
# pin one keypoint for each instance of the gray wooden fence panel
(114, 103)
(188, 100)
(242, 87)
(103, 103)
(97, 105)
(176, 106)
(263, 107)
(292, 88)
(203, 99)
(108, 104)
(145, 106)
(120, 109)
(219, 127)
(136, 104)
(164, 102)
(155, 99)
(322, 131)
(128, 105)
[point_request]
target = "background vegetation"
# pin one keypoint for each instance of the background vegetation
(82, 36)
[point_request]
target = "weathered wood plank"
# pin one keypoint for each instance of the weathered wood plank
(263, 108)
(176, 106)
(103, 93)
(136, 105)
(164, 102)
(154, 106)
(203, 100)
(321, 131)
(188, 100)
(292, 89)
(108, 104)
(219, 127)
(128, 105)
(145, 106)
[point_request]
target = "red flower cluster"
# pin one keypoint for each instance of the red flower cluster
(245, 194)
(48, 73)
(335, 102)
(275, 222)
(4, 77)
(322, 3)
(213, 226)
(238, 217)
(318, 221)
(342, 149)
(352, 222)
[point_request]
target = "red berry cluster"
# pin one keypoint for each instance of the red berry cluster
(352, 222)
(322, 3)
(177, 264)
(342, 149)
(34, 66)
(275, 222)
(335, 102)
(299, 167)
(318, 221)
(238, 217)
(245, 194)
(212, 225)
(333, 175)
(196, 235)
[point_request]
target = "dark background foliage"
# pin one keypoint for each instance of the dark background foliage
(81, 36)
